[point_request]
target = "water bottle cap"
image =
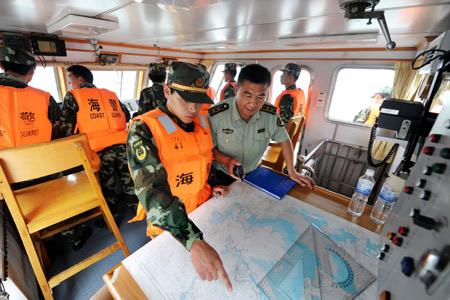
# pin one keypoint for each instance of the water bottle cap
(370, 172)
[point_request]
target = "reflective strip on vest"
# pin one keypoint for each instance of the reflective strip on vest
(24, 116)
(167, 123)
(203, 121)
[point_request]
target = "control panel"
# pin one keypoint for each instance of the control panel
(414, 248)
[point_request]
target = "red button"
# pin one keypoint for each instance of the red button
(428, 150)
(434, 138)
(398, 241)
(403, 230)
(409, 190)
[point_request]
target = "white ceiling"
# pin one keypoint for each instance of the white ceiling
(245, 24)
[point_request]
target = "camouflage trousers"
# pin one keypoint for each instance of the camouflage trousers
(114, 165)
(75, 235)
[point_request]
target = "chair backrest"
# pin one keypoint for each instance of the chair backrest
(42, 159)
(294, 128)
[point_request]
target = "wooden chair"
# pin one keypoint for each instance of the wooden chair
(44, 209)
(273, 157)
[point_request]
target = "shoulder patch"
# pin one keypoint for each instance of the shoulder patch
(139, 151)
(280, 122)
(268, 108)
(217, 109)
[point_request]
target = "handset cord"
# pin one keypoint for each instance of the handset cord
(369, 150)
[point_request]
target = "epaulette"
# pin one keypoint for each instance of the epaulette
(269, 108)
(217, 109)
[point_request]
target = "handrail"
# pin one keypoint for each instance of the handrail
(310, 155)
(302, 160)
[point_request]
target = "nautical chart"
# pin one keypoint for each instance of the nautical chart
(252, 232)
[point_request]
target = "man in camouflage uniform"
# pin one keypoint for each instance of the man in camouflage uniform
(113, 158)
(19, 66)
(151, 97)
(369, 114)
(291, 102)
(178, 122)
(242, 127)
(229, 90)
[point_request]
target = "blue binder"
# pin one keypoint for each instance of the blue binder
(270, 182)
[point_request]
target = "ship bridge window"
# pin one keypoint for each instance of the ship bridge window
(357, 94)
(303, 82)
(46, 80)
(123, 83)
(217, 81)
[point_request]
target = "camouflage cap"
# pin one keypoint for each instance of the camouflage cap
(191, 82)
(157, 69)
(17, 56)
(230, 67)
(294, 69)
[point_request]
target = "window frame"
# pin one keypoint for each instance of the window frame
(333, 86)
(58, 96)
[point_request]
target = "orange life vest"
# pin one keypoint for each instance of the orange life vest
(222, 93)
(23, 116)
(373, 115)
(186, 156)
(100, 117)
(299, 101)
(212, 94)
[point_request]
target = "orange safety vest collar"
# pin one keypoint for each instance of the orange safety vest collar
(186, 156)
(299, 101)
(101, 117)
(23, 116)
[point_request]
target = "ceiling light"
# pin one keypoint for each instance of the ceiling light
(83, 25)
(331, 39)
(208, 46)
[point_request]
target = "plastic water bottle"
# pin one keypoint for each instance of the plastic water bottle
(384, 204)
(362, 193)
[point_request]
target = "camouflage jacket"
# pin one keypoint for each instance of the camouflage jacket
(152, 188)
(362, 115)
(70, 109)
(229, 92)
(287, 105)
(54, 112)
(151, 97)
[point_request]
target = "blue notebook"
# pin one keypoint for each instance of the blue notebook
(270, 182)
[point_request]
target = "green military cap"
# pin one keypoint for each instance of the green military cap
(17, 56)
(157, 69)
(294, 69)
(191, 82)
(230, 67)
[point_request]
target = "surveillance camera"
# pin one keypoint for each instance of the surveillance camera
(100, 47)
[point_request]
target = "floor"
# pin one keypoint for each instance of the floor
(87, 282)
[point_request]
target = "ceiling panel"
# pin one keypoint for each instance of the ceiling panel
(250, 24)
